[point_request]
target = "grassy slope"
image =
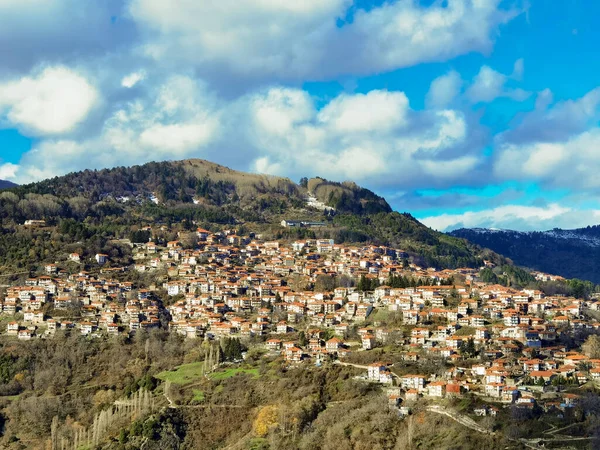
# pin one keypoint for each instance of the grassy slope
(247, 183)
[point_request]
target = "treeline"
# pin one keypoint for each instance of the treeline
(513, 276)
(400, 281)
(119, 192)
(572, 288)
(31, 249)
(507, 275)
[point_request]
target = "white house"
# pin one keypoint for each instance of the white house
(101, 258)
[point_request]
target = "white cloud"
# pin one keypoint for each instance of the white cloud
(132, 79)
(489, 84)
(516, 217)
(175, 120)
(555, 123)
(8, 171)
(263, 165)
(403, 33)
(280, 110)
(247, 36)
(572, 164)
(302, 39)
(450, 169)
(556, 145)
(486, 86)
(178, 138)
(444, 90)
(377, 111)
(372, 137)
(52, 101)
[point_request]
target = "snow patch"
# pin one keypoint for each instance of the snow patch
(572, 235)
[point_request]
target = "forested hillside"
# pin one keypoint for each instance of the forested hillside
(260, 404)
(569, 253)
(6, 184)
(87, 211)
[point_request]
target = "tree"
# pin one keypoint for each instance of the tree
(591, 347)
(140, 236)
(302, 340)
(266, 420)
(366, 284)
(487, 275)
(324, 283)
(232, 349)
(468, 348)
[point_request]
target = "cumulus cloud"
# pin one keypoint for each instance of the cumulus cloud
(175, 120)
(377, 111)
(59, 31)
(52, 101)
(489, 85)
(444, 90)
(556, 145)
(303, 39)
(554, 122)
(133, 78)
(375, 137)
(8, 171)
(516, 217)
(574, 163)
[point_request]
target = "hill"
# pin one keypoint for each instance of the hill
(6, 184)
(87, 211)
(346, 196)
(569, 253)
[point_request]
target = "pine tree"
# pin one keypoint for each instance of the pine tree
(302, 340)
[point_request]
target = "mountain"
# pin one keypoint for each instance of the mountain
(6, 184)
(569, 253)
(92, 208)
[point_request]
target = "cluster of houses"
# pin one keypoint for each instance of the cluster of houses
(243, 286)
(81, 302)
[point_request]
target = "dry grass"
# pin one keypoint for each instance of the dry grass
(200, 168)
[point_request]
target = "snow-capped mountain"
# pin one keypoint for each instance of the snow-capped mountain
(570, 253)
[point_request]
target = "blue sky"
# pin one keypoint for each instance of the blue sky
(462, 112)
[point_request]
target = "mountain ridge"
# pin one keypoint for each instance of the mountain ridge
(573, 253)
(5, 184)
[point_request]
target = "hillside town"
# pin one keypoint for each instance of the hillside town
(318, 302)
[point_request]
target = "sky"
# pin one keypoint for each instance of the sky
(465, 113)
